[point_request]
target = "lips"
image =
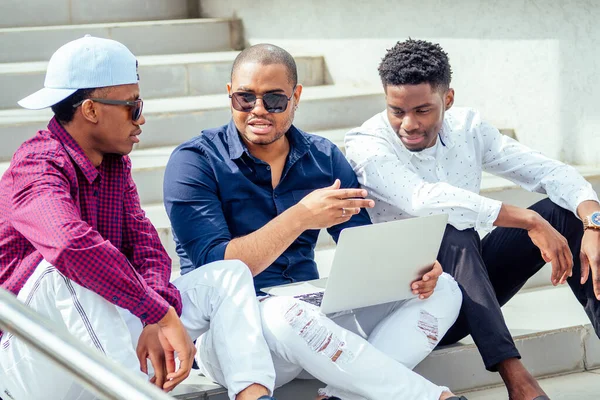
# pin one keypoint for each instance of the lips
(260, 126)
(134, 136)
(413, 139)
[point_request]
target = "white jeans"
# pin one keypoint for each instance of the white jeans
(219, 295)
(367, 353)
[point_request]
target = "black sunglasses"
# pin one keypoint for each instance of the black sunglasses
(273, 102)
(136, 105)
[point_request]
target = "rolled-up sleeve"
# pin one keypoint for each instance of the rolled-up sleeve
(391, 182)
(194, 208)
(532, 170)
(44, 212)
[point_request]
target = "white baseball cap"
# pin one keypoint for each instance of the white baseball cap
(85, 63)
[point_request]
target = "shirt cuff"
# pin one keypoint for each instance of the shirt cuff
(488, 213)
(152, 308)
(217, 253)
(585, 195)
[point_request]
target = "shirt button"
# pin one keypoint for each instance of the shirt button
(96, 193)
(144, 316)
(268, 167)
(115, 298)
(274, 195)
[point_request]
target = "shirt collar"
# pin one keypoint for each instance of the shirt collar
(75, 151)
(299, 143)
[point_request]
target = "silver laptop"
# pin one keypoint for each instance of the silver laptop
(373, 264)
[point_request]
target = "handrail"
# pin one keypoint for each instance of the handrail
(99, 374)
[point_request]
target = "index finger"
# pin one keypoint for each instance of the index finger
(557, 268)
(356, 203)
(348, 193)
(175, 378)
(595, 276)
(567, 258)
(159, 369)
(143, 361)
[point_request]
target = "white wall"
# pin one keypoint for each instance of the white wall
(531, 65)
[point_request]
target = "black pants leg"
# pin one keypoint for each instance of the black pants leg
(511, 258)
(460, 256)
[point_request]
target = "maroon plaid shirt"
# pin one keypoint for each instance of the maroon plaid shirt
(85, 221)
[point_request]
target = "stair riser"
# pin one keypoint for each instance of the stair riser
(158, 81)
(142, 39)
(65, 12)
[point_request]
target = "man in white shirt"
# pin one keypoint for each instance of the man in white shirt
(420, 157)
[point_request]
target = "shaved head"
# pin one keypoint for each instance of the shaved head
(267, 54)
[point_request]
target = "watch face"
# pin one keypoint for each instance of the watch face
(595, 218)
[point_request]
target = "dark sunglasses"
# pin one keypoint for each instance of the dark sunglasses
(272, 102)
(136, 105)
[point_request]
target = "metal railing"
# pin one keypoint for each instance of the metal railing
(102, 376)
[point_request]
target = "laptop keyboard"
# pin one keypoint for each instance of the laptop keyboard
(312, 298)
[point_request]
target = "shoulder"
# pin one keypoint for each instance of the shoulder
(210, 142)
(377, 125)
(318, 144)
(463, 119)
(42, 149)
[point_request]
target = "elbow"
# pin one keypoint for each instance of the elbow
(254, 268)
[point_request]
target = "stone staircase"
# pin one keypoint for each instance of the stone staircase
(184, 66)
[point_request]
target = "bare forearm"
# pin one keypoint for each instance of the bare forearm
(517, 217)
(261, 248)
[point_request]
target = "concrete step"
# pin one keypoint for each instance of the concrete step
(170, 75)
(174, 120)
(576, 386)
(142, 38)
(550, 329)
(17, 13)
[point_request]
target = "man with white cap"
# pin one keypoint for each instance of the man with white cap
(76, 247)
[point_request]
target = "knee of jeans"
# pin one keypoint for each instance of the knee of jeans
(460, 238)
(238, 271)
(278, 314)
(555, 213)
(450, 291)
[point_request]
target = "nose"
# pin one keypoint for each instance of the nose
(259, 107)
(409, 123)
(141, 121)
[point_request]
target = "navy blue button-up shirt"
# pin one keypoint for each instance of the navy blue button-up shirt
(215, 190)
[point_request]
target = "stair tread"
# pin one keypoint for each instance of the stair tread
(149, 60)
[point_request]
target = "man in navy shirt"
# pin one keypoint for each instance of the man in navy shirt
(258, 189)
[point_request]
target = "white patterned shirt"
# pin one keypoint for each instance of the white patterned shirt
(446, 178)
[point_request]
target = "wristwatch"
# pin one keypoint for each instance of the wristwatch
(592, 221)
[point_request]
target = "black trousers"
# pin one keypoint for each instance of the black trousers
(491, 271)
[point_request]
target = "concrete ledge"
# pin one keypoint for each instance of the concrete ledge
(142, 38)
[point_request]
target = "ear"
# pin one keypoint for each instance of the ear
(297, 94)
(89, 111)
(449, 99)
(229, 88)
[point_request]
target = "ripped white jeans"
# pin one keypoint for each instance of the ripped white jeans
(366, 353)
